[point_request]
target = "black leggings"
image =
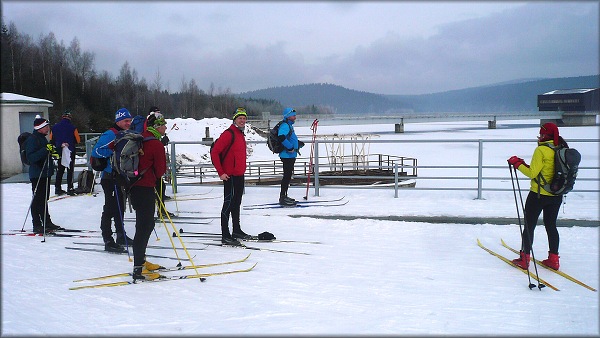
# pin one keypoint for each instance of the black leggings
(534, 205)
(61, 170)
(143, 201)
(233, 190)
(288, 170)
(39, 203)
(114, 208)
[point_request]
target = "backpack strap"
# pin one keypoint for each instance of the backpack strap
(221, 157)
(540, 180)
(147, 138)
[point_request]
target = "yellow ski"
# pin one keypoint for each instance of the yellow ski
(572, 279)
(162, 279)
(177, 268)
(509, 262)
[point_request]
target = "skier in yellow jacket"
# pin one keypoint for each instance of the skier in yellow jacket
(538, 199)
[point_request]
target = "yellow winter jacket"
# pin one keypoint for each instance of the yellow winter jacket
(542, 162)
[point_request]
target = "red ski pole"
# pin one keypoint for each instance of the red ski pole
(313, 127)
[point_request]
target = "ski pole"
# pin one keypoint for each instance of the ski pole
(313, 127)
(32, 197)
(540, 285)
(510, 168)
(118, 199)
(46, 195)
(180, 239)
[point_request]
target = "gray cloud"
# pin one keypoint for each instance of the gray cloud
(379, 47)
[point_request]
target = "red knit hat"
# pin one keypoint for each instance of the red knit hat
(551, 130)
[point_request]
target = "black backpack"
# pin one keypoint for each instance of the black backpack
(273, 139)
(223, 154)
(566, 165)
(85, 182)
(126, 157)
(100, 163)
(21, 139)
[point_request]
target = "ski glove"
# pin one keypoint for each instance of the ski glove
(516, 162)
(52, 150)
(164, 140)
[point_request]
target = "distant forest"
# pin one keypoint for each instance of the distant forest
(48, 69)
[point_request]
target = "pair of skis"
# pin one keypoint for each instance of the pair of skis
(163, 278)
(299, 204)
(509, 262)
(194, 234)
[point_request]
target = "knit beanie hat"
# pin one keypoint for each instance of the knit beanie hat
(153, 109)
(239, 112)
(122, 114)
(551, 130)
(39, 122)
(289, 112)
(156, 120)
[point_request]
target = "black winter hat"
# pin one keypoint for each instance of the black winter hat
(39, 122)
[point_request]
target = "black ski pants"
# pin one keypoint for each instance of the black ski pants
(534, 206)
(288, 170)
(143, 200)
(233, 190)
(39, 203)
(61, 170)
(114, 208)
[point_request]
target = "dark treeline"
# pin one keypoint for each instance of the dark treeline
(48, 69)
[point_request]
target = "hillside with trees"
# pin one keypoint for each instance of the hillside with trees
(508, 97)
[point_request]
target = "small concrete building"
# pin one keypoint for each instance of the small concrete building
(579, 106)
(17, 113)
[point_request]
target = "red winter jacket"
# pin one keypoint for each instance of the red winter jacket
(234, 163)
(154, 158)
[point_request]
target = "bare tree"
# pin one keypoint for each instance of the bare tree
(61, 61)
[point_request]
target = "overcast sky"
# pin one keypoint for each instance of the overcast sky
(389, 47)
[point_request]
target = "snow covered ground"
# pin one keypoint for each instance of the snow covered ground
(367, 276)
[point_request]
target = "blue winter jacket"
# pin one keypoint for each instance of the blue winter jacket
(104, 148)
(289, 142)
(64, 132)
(37, 154)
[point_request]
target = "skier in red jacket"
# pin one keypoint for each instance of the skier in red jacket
(229, 158)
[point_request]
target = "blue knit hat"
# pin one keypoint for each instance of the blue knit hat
(122, 114)
(289, 112)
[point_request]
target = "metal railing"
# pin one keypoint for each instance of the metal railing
(474, 175)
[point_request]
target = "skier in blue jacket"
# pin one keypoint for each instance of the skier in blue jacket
(289, 140)
(114, 199)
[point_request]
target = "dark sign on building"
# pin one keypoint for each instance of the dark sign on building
(571, 100)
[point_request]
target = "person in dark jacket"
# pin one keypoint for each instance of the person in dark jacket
(152, 165)
(114, 199)
(231, 167)
(538, 199)
(40, 154)
(65, 134)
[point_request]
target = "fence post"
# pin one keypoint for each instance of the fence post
(396, 180)
(316, 165)
(173, 170)
(480, 170)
